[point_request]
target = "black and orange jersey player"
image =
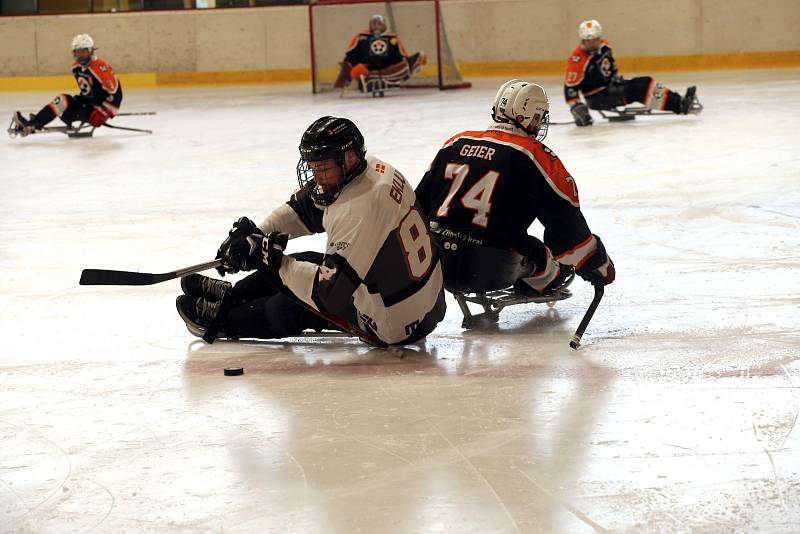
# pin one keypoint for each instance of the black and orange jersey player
(377, 54)
(592, 73)
(100, 93)
(488, 186)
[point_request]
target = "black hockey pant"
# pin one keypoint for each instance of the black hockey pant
(78, 109)
(262, 309)
(628, 91)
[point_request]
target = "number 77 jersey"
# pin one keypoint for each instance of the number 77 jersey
(491, 185)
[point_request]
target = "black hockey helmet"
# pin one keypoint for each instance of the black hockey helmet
(330, 138)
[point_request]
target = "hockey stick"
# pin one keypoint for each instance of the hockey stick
(104, 277)
(127, 129)
(598, 295)
(132, 113)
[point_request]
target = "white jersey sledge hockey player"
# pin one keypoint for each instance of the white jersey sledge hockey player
(99, 99)
(377, 55)
(592, 73)
(486, 187)
(379, 274)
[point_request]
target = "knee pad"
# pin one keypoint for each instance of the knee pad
(656, 96)
(60, 104)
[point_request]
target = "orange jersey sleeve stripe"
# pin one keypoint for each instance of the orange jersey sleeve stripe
(578, 255)
(576, 67)
(549, 165)
(353, 41)
(103, 72)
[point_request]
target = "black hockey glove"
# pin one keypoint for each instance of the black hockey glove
(580, 112)
(598, 269)
(272, 252)
(256, 251)
(240, 229)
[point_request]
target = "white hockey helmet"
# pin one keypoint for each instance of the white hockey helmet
(83, 40)
(590, 29)
(524, 105)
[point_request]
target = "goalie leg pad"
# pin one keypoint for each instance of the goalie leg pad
(394, 74)
(416, 62)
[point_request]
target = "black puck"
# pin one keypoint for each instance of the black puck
(234, 371)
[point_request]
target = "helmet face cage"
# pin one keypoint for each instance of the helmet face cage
(540, 131)
(511, 103)
(322, 195)
(374, 20)
(329, 138)
(82, 42)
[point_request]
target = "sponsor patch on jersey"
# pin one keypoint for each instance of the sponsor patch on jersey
(380, 167)
(378, 47)
(339, 245)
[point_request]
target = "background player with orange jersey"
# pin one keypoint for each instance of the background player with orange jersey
(99, 99)
(592, 72)
(486, 187)
(377, 54)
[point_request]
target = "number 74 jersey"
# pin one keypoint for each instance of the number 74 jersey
(491, 185)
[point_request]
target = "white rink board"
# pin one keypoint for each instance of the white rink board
(677, 415)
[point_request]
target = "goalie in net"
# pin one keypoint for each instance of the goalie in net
(376, 58)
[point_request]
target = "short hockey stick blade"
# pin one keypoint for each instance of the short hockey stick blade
(598, 295)
(105, 277)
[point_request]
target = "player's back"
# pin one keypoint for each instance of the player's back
(484, 184)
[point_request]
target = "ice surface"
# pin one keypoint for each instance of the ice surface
(678, 414)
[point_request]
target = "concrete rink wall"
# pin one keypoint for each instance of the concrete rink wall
(486, 37)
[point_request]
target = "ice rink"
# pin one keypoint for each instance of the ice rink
(678, 414)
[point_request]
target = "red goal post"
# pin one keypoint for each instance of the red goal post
(418, 24)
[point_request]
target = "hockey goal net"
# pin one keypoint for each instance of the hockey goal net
(418, 24)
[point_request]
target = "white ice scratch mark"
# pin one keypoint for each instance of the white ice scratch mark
(370, 445)
(577, 513)
(797, 406)
(11, 489)
(678, 446)
(466, 460)
(111, 506)
(774, 471)
(63, 452)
